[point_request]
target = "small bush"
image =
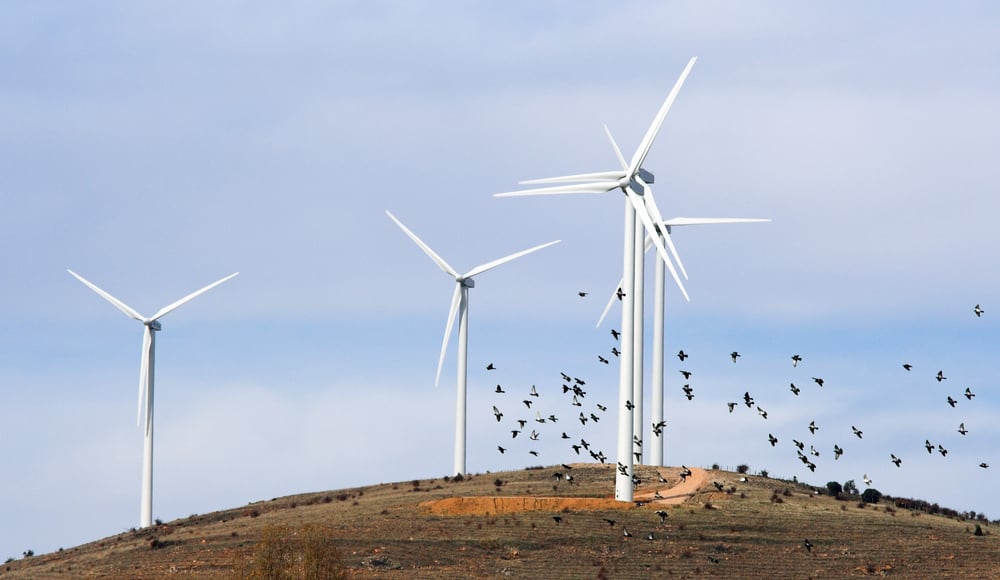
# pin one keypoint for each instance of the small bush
(979, 531)
(763, 473)
(715, 466)
(834, 489)
(743, 468)
(871, 495)
(308, 553)
(458, 478)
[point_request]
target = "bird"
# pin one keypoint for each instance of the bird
(660, 478)
(734, 355)
(620, 294)
(490, 367)
(799, 444)
(602, 407)
(610, 522)
(762, 412)
(622, 468)
(940, 376)
(582, 294)
(813, 451)
(812, 427)
(578, 381)
(514, 433)
(984, 465)
(748, 399)
(534, 435)
(568, 478)
(522, 422)
(534, 391)
(818, 381)
(535, 453)
(969, 394)
(808, 545)
(663, 515)
(576, 402)
(565, 436)
(558, 519)
(625, 532)
(714, 560)
(811, 466)
(951, 401)
(687, 374)
(497, 413)
(602, 359)
(538, 417)
(865, 479)
(929, 446)
(553, 419)
(658, 427)
(907, 366)
(629, 405)
(718, 485)
(501, 449)
(857, 431)
(895, 459)
(576, 448)
(682, 355)
(837, 451)
(615, 334)
(636, 440)
(942, 451)
(688, 392)
(615, 351)
(795, 390)
(585, 444)
(500, 390)
(962, 429)
(527, 403)
(772, 439)
(731, 406)
(650, 537)
(979, 311)
(566, 377)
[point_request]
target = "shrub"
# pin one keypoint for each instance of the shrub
(743, 468)
(979, 531)
(849, 487)
(283, 552)
(834, 488)
(763, 473)
(715, 466)
(871, 495)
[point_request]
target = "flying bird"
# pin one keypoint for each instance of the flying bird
(615, 334)
(808, 545)
(610, 522)
(615, 351)
(682, 355)
(582, 294)
(629, 405)
(929, 446)
(799, 444)
(772, 439)
(795, 390)
(731, 406)
(625, 532)
(908, 366)
(813, 451)
(969, 394)
(812, 427)
(979, 311)
(497, 413)
(534, 435)
(734, 355)
(602, 407)
(962, 429)
(940, 376)
(514, 433)
(538, 417)
(522, 422)
(865, 479)
(856, 431)
(602, 359)
(566, 377)
(663, 515)
(796, 359)
(594, 418)
(748, 399)
(534, 391)
(500, 390)
(896, 460)
(535, 453)
(576, 402)
(942, 451)
(564, 435)
(501, 449)
(762, 412)
(620, 294)
(951, 401)
(818, 381)
(837, 451)
(622, 468)
(527, 403)
(490, 367)
(687, 374)
(576, 448)
(984, 465)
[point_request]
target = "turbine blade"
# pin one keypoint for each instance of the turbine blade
(456, 298)
(598, 176)
(427, 249)
(673, 250)
(128, 310)
(685, 221)
(490, 265)
(618, 152)
(171, 307)
(147, 342)
(647, 222)
(654, 214)
(611, 301)
(593, 187)
(654, 128)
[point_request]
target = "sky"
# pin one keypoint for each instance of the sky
(154, 148)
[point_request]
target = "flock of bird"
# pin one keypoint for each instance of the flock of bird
(806, 447)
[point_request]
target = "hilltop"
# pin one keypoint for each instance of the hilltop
(717, 523)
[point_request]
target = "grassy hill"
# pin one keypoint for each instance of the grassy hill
(505, 527)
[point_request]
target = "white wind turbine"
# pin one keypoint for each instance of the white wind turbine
(460, 307)
(664, 229)
(151, 326)
(633, 180)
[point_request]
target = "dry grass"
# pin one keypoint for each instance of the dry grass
(383, 530)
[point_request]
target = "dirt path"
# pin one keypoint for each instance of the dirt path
(678, 493)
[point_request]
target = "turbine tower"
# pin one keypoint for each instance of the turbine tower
(633, 180)
(460, 307)
(151, 325)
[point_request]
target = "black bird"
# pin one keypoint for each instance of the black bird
(490, 367)
(734, 355)
(534, 435)
(535, 453)
(615, 333)
(638, 458)
(979, 311)
(796, 359)
(636, 440)
(576, 448)
(682, 355)
(501, 449)
(713, 560)
(929, 446)
(895, 459)
(795, 390)
(660, 478)
(566, 377)
(497, 413)
(585, 444)
(594, 418)
(629, 405)
(811, 466)
(576, 402)
(942, 451)
(514, 433)
(579, 382)
(602, 359)
(808, 545)
(837, 451)
(663, 515)
(610, 522)
(658, 427)
(812, 427)
(772, 439)
(969, 394)
(534, 391)
(582, 294)
(799, 444)
(615, 351)
(620, 293)
(558, 519)
(500, 390)
(813, 451)
(602, 407)
(940, 376)
(622, 468)
(568, 478)
(567, 466)
(748, 399)
(718, 485)
(553, 418)
(818, 381)
(857, 431)
(951, 401)
(522, 422)
(962, 429)
(601, 457)
(625, 532)
(762, 412)
(907, 366)
(583, 418)
(527, 403)
(687, 374)
(731, 406)
(538, 417)
(984, 465)
(688, 391)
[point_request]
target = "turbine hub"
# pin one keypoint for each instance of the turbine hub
(467, 282)
(154, 325)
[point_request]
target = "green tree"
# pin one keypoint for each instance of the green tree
(834, 488)
(871, 495)
(850, 488)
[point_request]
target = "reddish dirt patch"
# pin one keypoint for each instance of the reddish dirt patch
(489, 505)
(680, 492)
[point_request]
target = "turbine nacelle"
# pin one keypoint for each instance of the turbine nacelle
(153, 324)
(466, 282)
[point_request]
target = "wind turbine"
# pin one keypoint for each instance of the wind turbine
(633, 180)
(664, 228)
(460, 307)
(151, 326)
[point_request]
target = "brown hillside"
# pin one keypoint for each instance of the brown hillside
(505, 525)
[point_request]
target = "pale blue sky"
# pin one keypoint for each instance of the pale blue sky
(156, 147)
